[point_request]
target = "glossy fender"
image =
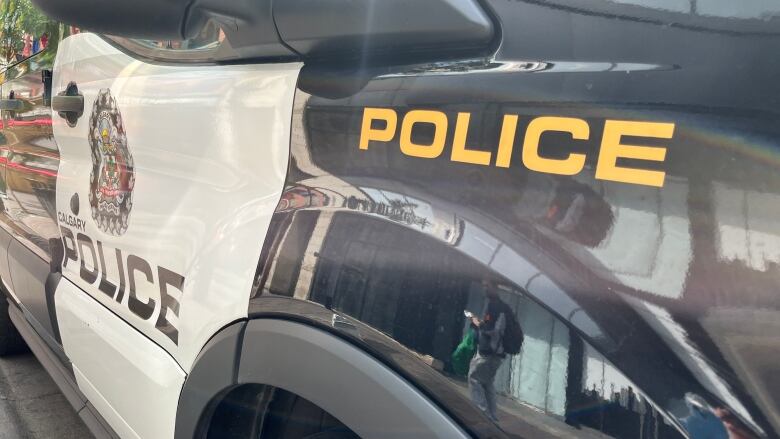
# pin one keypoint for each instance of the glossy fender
(617, 174)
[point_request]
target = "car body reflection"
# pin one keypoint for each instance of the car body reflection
(31, 162)
(626, 293)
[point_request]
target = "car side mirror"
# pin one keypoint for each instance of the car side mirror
(326, 31)
(153, 19)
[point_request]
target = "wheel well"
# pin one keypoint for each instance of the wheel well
(232, 413)
(257, 410)
(308, 371)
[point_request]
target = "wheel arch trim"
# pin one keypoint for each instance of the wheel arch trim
(319, 366)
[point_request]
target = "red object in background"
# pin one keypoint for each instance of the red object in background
(30, 170)
(21, 123)
(27, 50)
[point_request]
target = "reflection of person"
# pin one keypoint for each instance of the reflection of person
(490, 351)
(464, 352)
(732, 424)
(705, 421)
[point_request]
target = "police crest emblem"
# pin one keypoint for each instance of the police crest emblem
(112, 178)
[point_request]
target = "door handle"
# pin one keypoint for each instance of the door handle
(69, 104)
(10, 104)
(46, 80)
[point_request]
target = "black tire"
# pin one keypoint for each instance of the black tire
(11, 342)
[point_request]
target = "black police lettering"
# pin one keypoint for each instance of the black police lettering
(121, 292)
(167, 277)
(80, 248)
(139, 308)
(105, 286)
(88, 275)
(70, 250)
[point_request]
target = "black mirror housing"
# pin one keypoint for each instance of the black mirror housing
(332, 31)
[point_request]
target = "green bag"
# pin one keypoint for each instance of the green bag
(462, 355)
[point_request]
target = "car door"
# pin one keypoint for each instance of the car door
(30, 160)
(168, 177)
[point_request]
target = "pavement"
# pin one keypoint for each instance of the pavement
(31, 405)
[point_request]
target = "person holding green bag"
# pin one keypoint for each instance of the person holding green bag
(465, 351)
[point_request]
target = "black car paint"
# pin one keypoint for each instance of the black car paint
(714, 77)
(675, 286)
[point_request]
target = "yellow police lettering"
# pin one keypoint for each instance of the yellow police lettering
(571, 165)
(459, 151)
(367, 133)
(506, 142)
(414, 117)
(612, 149)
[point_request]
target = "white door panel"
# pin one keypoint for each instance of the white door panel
(117, 368)
(209, 148)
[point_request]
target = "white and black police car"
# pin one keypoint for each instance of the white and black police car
(398, 218)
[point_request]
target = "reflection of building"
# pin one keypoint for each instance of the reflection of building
(659, 258)
(393, 276)
(744, 234)
(396, 207)
(538, 375)
(561, 375)
(374, 237)
(450, 68)
(712, 8)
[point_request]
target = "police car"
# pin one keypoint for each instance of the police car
(399, 218)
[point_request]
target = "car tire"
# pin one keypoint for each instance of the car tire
(11, 342)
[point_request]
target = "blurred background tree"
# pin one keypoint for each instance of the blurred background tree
(18, 17)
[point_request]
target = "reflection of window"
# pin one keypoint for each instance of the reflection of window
(755, 16)
(414, 289)
(761, 9)
(396, 283)
(746, 224)
(659, 259)
(713, 8)
(668, 5)
(270, 412)
(208, 38)
(201, 48)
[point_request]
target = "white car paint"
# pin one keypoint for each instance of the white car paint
(210, 147)
(117, 368)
